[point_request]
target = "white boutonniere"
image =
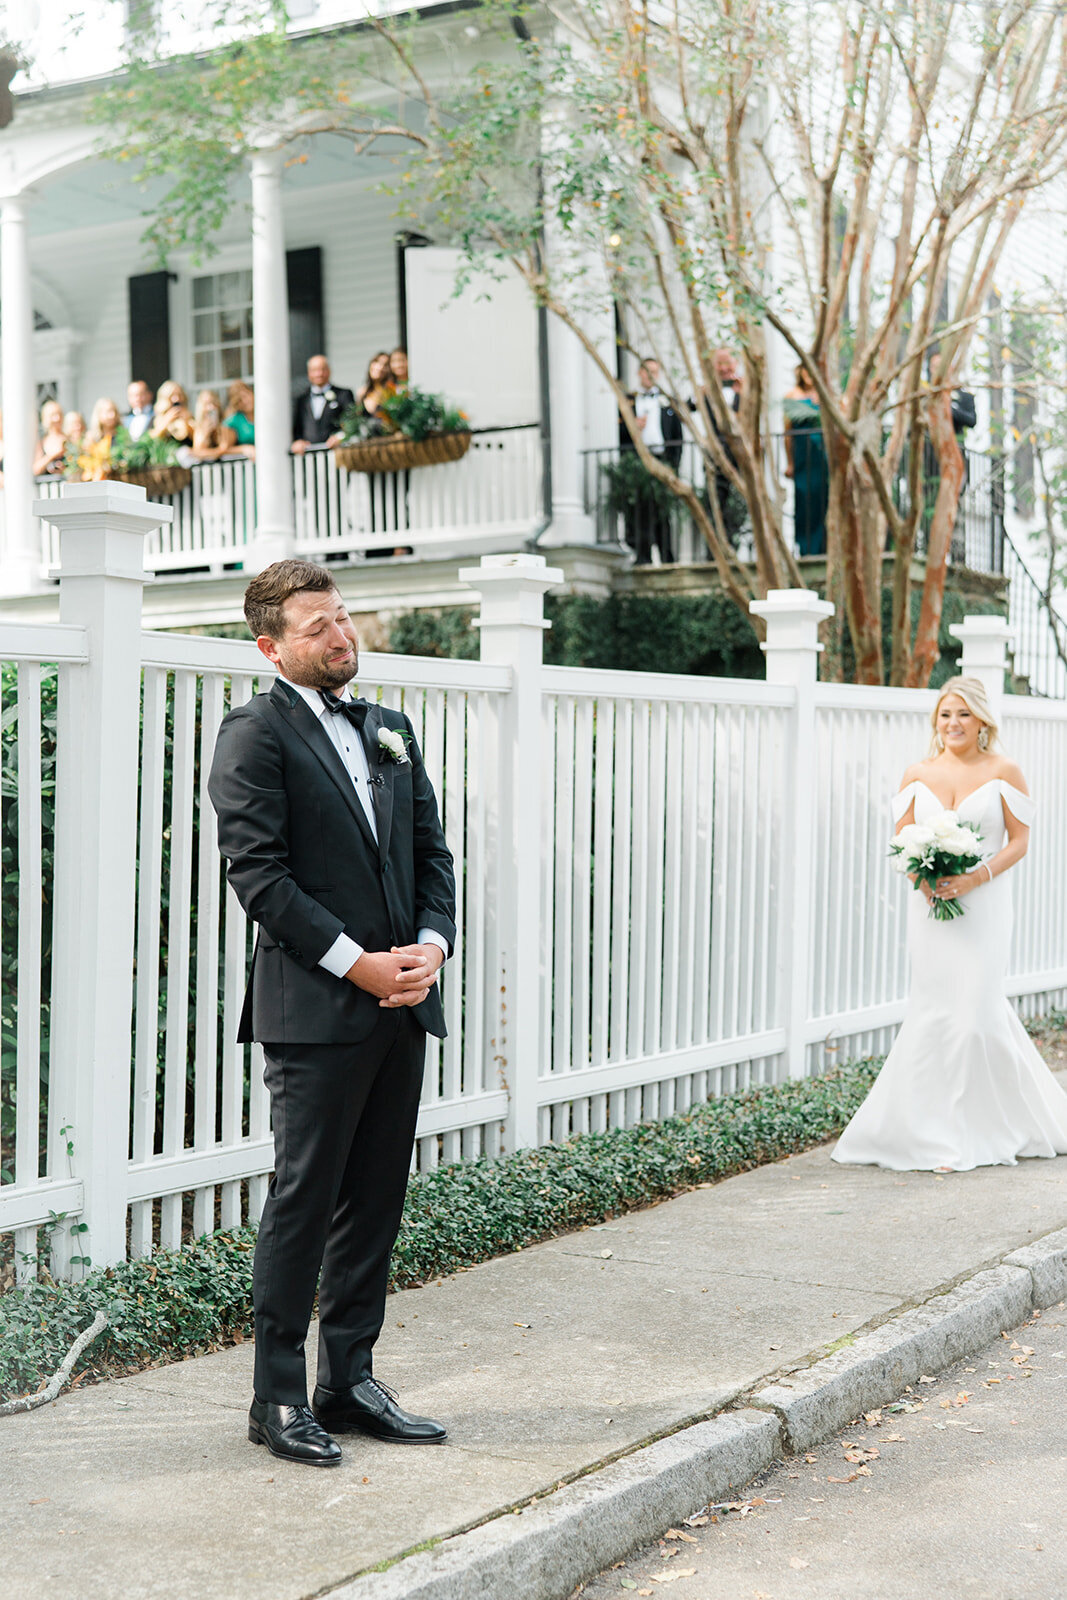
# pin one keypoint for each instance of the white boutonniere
(330, 397)
(393, 744)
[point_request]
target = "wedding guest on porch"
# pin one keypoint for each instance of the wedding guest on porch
(398, 367)
(805, 450)
(379, 383)
(139, 417)
(173, 419)
(648, 521)
(52, 445)
(241, 418)
(319, 408)
(211, 437)
(75, 428)
(104, 422)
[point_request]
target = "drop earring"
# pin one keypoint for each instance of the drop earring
(939, 743)
(983, 739)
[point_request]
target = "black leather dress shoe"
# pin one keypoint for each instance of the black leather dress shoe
(371, 1408)
(292, 1433)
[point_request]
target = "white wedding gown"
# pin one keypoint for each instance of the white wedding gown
(963, 1085)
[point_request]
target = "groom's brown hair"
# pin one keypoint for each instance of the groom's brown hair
(266, 595)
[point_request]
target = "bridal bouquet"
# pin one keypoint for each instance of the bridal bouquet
(944, 847)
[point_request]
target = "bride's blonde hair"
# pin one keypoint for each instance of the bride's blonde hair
(972, 692)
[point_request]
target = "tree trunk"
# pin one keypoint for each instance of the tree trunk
(950, 461)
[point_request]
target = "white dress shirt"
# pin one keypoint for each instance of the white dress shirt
(341, 730)
(318, 401)
(648, 403)
(139, 423)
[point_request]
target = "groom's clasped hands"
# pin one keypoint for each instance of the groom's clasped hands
(401, 976)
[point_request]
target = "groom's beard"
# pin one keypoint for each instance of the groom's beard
(323, 674)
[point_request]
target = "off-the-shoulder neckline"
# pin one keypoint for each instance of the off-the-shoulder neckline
(921, 783)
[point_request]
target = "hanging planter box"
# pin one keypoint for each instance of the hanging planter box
(157, 480)
(398, 453)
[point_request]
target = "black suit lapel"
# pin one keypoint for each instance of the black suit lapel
(382, 792)
(303, 721)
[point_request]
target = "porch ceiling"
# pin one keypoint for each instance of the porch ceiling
(109, 192)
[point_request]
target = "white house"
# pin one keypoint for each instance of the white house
(310, 258)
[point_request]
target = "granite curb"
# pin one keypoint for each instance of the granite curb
(547, 1547)
(541, 1551)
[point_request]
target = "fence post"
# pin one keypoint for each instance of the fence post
(512, 623)
(792, 649)
(985, 641)
(102, 528)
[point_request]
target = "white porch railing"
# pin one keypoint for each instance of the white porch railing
(669, 887)
(490, 499)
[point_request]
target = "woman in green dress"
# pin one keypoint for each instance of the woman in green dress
(241, 405)
(805, 451)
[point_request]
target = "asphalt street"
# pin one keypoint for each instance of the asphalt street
(959, 1489)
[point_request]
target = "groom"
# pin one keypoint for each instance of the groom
(329, 826)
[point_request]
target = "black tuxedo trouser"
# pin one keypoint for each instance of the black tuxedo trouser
(344, 1124)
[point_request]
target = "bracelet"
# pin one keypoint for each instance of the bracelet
(989, 869)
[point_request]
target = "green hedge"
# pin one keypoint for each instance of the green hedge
(186, 1302)
(704, 634)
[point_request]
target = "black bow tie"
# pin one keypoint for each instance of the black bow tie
(355, 710)
(317, 391)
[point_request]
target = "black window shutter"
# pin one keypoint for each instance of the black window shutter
(150, 328)
(303, 271)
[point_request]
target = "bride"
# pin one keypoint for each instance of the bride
(963, 1085)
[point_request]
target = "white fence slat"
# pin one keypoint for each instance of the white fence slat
(176, 1045)
(146, 993)
(206, 1026)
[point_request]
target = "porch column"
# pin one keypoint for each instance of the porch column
(571, 523)
(275, 534)
(22, 536)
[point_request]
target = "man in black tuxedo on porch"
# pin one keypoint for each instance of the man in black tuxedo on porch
(318, 409)
(330, 829)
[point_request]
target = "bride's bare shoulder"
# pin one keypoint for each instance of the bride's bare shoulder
(915, 773)
(1011, 773)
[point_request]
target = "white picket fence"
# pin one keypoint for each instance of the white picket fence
(668, 887)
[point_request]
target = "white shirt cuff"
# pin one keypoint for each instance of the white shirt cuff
(428, 936)
(342, 954)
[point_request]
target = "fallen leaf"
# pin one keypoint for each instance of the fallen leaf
(627, 1583)
(696, 1522)
(811, 1458)
(850, 1479)
(856, 1454)
(895, 1438)
(796, 1563)
(44, 1502)
(946, 1405)
(925, 1379)
(873, 1419)
(677, 1533)
(864, 1472)
(672, 1577)
(606, 1255)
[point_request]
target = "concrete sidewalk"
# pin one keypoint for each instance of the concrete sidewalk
(545, 1365)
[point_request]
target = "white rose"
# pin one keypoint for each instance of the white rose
(946, 823)
(393, 742)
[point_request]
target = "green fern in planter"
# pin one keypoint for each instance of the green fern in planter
(140, 455)
(411, 412)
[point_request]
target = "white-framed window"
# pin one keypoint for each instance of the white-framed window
(222, 328)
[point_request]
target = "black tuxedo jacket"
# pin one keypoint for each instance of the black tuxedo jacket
(318, 430)
(304, 865)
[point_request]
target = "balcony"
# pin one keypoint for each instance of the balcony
(490, 500)
(977, 540)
